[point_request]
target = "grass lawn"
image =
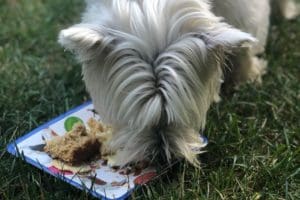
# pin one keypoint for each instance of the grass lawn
(254, 150)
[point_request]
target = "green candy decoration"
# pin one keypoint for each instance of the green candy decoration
(71, 121)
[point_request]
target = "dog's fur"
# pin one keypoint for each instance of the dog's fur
(154, 67)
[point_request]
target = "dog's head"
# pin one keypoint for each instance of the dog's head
(151, 66)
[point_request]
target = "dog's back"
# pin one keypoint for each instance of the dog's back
(249, 16)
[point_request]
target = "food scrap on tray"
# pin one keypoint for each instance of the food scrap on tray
(81, 144)
(74, 169)
(74, 151)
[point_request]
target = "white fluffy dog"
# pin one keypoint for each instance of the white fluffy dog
(154, 67)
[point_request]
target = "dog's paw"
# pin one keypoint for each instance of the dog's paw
(251, 70)
(289, 9)
(258, 68)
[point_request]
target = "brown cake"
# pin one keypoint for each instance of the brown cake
(75, 147)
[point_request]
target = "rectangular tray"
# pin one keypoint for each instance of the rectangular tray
(23, 146)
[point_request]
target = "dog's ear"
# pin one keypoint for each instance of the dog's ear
(231, 38)
(82, 39)
(79, 37)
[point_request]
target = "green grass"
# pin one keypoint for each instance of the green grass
(254, 150)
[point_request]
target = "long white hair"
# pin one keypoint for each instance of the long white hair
(152, 68)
